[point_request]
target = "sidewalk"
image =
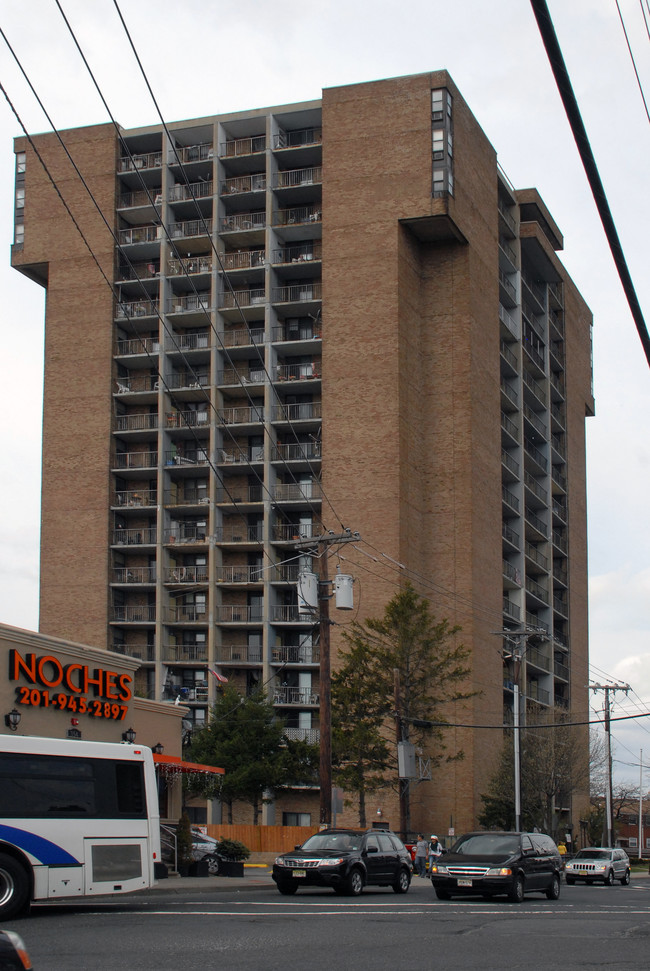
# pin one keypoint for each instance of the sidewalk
(255, 877)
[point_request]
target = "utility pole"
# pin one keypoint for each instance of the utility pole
(404, 809)
(520, 640)
(608, 827)
(322, 544)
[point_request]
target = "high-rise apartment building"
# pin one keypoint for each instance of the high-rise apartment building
(314, 316)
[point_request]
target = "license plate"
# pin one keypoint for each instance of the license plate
(298, 873)
(464, 883)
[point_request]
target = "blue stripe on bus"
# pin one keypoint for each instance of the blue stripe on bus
(45, 851)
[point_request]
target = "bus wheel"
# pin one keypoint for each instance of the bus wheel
(14, 887)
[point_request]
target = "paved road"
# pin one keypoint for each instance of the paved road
(250, 926)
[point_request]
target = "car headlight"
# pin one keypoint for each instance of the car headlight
(279, 861)
(332, 861)
(440, 870)
(499, 871)
(600, 866)
(568, 866)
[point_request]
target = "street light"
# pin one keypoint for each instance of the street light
(158, 748)
(129, 736)
(12, 719)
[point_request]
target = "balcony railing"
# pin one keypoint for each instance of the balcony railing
(309, 735)
(243, 337)
(134, 574)
(511, 609)
(181, 613)
(139, 234)
(194, 153)
(510, 358)
(139, 536)
(295, 696)
(139, 271)
(243, 261)
(291, 614)
(189, 342)
(186, 533)
(135, 497)
(297, 293)
(187, 497)
(241, 298)
(536, 522)
(534, 554)
(292, 177)
(560, 670)
(242, 221)
(190, 227)
(296, 452)
(189, 266)
(144, 345)
(187, 456)
(240, 534)
(296, 139)
(239, 574)
(192, 302)
(249, 493)
(305, 332)
(510, 535)
(141, 197)
(143, 652)
(131, 163)
(510, 498)
(194, 190)
(536, 422)
(241, 454)
(283, 532)
(536, 693)
(301, 411)
(299, 253)
(509, 462)
(244, 183)
(534, 486)
(189, 379)
(239, 653)
(535, 656)
(284, 573)
(241, 416)
(511, 572)
(136, 308)
(296, 215)
(186, 419)
(508, 425)
(537, 590)
(243, 375)
(299, 372)
(186, 574)
(135, 460)
(134, 614)
(507, 285)
(133, 423)
(243, 146)
(237, 614)
(535, 454)
(295, 655)
(535, 387)
(558, 477)
(506, 318)
(185, 652)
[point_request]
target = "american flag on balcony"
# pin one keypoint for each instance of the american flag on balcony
(220, 677)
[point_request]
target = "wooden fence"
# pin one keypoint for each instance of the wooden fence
(263, 839)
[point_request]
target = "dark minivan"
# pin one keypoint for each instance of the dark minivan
(492, 864)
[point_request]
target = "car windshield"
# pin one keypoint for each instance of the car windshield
(333, 842)
(594, 854)
(487, 844)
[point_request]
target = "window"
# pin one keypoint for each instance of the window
(20, 197)
(633, 842)
(296, 819)
(21, 160)
(19, 234)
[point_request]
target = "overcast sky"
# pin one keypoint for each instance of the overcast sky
(205, 57)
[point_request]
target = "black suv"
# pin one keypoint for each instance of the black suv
(490, 864)
(346, 861)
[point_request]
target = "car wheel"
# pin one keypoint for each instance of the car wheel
(553, 892)
(287, 887)
(609, 879)
(516, 895)
(213, 864)
(570, 881)
(354, 882)
(626, 879)
(403, 882)
(14, 887)
(442, 894)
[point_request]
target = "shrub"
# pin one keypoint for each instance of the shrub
(233, 849)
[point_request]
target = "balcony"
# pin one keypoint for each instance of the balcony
(536, 422)
(190, 227)
(134, 574)
(536, 590)
(139, 536)
(186, 574)
(301, 411)
(143, 652)
(239, 574)
(186, 533)
(297, 215)
(510, 463)
(127, 309)
(241, 376)
(244, 337)
(511, 573)
(290, 178)
(136, 423)
(235, 147)
(248, 494)
(241, 416)
(134, 614)
(535, 693)
(187, 419)
(187, 456)
(295, 655)
(299, 372)
(243, 261)
(189, 266)
(135, 498)
(536, 557)
(510, 499)
(139, 198)
(541, 661)
(142, 345)
(535, 387)
(240, 534)
(309, 735)
(296, 452)
(237, 614)
(133, 163)
(135, 460)
(241, 455)
(284, 573)
(185, 653)
(299, 253)
(239, 654)
(297, 139)
(537, 526)
(534, 453)
(244, 183)
(286, 532)
(238, 222)
(291, 614)
(241, 298)
(510, 536)
(139, 271)
(190, 303)
(297, 293)
(535, 488)
(202, 152)
(192, 380)
(193, 190)
(511, 609)
(558, 478)
(510, 431)
(561, 670)
(300, 697)
(188, 613)
(139, 234)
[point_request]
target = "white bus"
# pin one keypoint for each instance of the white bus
(76, 818)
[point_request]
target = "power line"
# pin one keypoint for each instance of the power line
(554, 52)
